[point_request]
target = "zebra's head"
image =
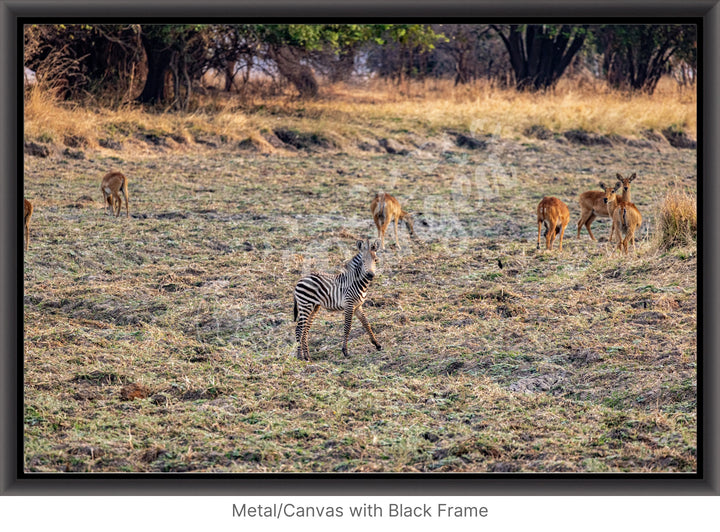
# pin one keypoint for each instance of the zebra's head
(368, 255)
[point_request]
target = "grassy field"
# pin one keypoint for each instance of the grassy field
(165, 342)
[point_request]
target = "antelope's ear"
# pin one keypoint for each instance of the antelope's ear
(632, 176)
(617, 186)
(619, 176)
(602, 186)
(375, 245)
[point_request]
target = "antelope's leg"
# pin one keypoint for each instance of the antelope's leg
(590, 220)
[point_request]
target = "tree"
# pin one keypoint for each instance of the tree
(74, 60)
(540, 53)
(232, 48)
(291, 47)
(635, 57)
(464, 47)
(168, 48)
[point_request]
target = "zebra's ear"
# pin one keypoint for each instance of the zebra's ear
(360, 244)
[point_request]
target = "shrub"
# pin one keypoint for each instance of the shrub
(677, 219)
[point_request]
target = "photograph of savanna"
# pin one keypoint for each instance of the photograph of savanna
(255, 248)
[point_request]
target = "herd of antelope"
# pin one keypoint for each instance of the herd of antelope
(347, 290)
(111, 185)
(625, 217)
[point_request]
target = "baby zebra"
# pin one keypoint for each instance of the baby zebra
(345, 291)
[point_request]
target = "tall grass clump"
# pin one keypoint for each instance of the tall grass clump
(677, 219)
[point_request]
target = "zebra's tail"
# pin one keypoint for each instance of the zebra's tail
(295, 309)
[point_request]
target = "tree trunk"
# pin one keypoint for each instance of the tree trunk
(229, 75)
(540, 60)
(159, 57)
(344, 66)
(300, 75)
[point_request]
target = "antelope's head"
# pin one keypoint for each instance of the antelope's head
(625, 181)
(609, 191)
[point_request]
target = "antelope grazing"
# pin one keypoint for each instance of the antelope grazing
(26, 221)
(554, 215)
(626, 217)
(345, 291)
(385, 209)
(592, 205)
(111, 185)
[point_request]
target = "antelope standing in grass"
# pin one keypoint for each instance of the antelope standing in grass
(28, 207)
(112, 184)
(345, 291)
(554, 215)
(626, 217)
(592, 205)
(386, 209)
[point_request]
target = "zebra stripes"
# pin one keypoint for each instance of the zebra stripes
(345, 291)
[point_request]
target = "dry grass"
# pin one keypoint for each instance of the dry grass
(677, 220)
(580, 362)
(347, 114)
(165, 342)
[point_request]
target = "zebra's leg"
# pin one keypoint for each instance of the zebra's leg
(361, 316)
(299, 332)
(306, 331)
(349, 312)
(301, 327)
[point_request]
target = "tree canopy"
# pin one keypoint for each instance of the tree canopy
(162, 64)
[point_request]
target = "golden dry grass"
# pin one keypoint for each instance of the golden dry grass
(346, 113)
(677, 219)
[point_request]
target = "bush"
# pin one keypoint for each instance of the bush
(677, 220)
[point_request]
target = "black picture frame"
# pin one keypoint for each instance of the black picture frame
(13, 482)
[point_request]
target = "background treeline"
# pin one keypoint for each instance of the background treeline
(167, 64)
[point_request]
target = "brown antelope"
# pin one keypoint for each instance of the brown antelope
(592, 205)
(626, 217)
(112, 184)
(554, 215)
(385, 209)
(26, 221)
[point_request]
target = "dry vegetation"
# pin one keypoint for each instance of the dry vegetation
(677, 220)
(165, 342)
(346, 116)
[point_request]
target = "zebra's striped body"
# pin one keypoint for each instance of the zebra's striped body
(345, 291)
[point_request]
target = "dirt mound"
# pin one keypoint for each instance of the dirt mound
(579, 136)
